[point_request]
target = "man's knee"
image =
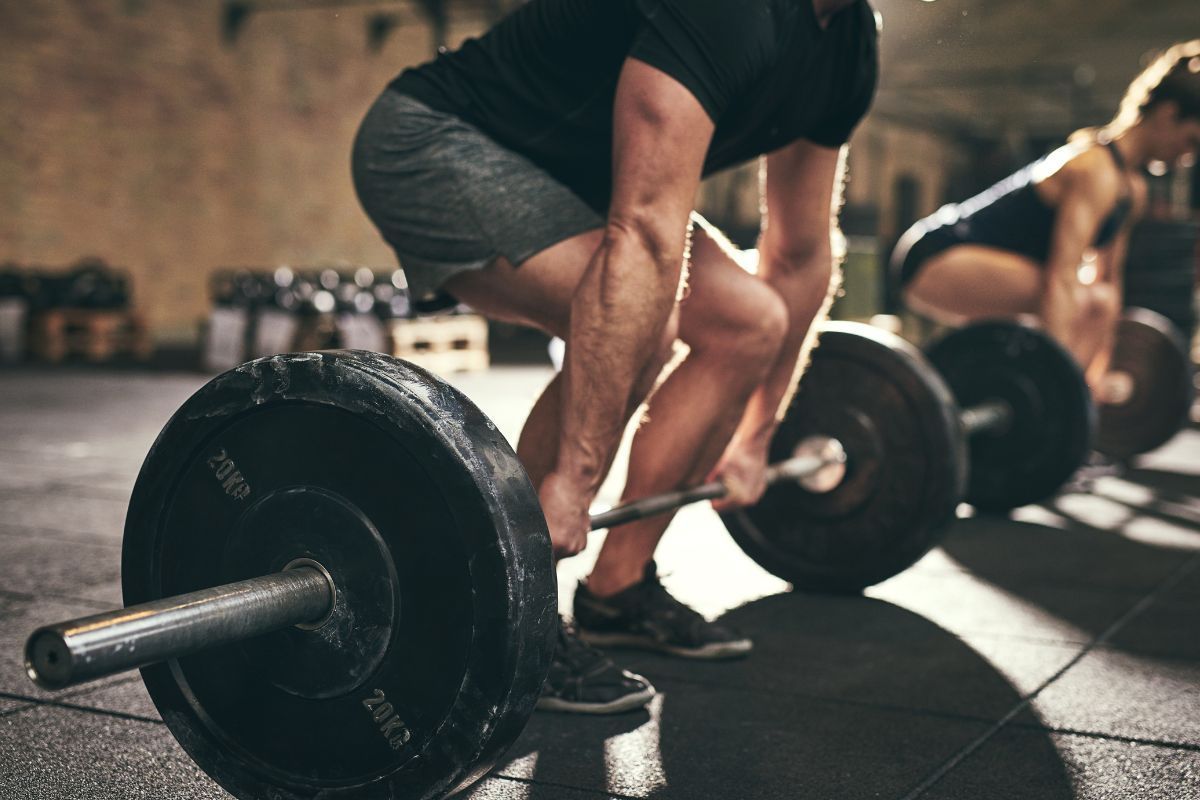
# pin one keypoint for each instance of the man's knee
(669, 339)
(754, 322)
(771, 324)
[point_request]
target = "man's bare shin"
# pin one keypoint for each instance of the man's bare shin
(808, 293)
(689, 422)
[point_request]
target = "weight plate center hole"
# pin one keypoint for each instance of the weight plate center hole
(828, 477)
(308, 563)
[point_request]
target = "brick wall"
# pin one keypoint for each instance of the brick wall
(131, 130)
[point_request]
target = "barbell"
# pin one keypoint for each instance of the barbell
(1149, 386)
(1024, 428)
(338, 579)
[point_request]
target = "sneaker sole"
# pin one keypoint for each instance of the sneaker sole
(630, 702)
(717, 651)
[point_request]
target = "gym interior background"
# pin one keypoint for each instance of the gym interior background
(174, 140)
(1051, 654)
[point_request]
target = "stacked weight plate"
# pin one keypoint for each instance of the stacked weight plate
(1160, 272)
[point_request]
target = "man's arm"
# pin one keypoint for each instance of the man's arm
(802, 192)
(621, 307)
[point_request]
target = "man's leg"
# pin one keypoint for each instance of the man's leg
(733, 324)
(538, 294)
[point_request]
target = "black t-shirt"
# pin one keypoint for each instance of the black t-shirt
(542, 81)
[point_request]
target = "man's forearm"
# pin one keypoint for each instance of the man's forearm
(808, 289)
(618, 317)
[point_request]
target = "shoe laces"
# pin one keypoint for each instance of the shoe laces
(657, 598)
(574, 651)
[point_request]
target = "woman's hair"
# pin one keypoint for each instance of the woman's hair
(1173, 77)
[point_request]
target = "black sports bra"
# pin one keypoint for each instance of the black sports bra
(1116, 218)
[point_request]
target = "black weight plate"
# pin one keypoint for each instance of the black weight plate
(1050, 433)
(446, 610)
(1154, 355)
(875, 394)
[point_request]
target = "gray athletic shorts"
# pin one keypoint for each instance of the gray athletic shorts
(449, 199)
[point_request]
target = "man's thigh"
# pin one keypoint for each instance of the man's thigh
(722, 298)
(537, 293)
(449, 199)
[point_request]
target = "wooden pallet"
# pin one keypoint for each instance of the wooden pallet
(442, 344)
(95, 335)
(14, 312)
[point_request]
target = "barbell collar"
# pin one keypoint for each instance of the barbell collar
(84, 649)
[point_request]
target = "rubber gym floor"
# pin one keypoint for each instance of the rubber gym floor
(1055, 654)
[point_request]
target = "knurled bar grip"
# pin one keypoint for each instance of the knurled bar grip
(87, 648)
(792, 469)
(994, 415)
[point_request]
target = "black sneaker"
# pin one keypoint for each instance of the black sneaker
(647, 617)
(583, 680)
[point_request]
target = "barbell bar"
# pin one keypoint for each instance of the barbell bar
(1150, 383)
(84, 649)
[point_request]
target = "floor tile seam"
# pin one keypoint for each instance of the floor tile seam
(1021, 585)
(78, 490)
(13, 532)
(79, 691)
(112, 465)
(1181, 511)
(42, 702)
(966, 635)
(833, 700)
(1163, 588)
(26, 597)
(1021, 581)
(24, 706)
(1143, 652)
(1164, 744)
(559, 785)
(1026, 702)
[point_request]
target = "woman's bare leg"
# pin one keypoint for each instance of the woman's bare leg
(969, 282)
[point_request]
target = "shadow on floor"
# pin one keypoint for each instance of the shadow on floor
(834, 703)
(1170, 487)
(1095, 557)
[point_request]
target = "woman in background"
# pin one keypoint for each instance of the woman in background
(1051, 239)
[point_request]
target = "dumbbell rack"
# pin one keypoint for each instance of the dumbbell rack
(258, 313)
